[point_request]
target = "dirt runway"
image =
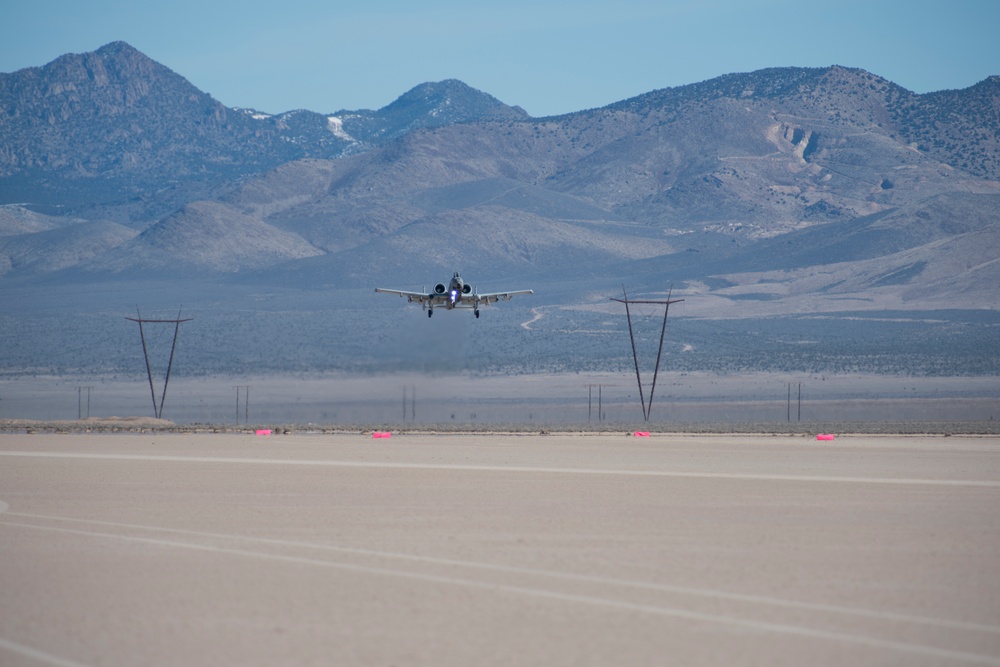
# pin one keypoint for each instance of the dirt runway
(205, 549)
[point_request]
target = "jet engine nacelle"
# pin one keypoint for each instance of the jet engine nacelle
(466, 289)
(440, 289)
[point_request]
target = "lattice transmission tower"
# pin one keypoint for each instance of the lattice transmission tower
(646, 407)
(158, 409)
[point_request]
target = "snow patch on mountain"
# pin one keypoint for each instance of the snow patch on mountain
(336, 126)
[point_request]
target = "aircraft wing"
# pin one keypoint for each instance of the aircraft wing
(423, 298)
(498, 296)
(415, 297)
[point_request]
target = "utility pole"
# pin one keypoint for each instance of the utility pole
(246, 405)
(788, 416)
(413, 403)
(79, 407)
(590, 401)
(789, 409)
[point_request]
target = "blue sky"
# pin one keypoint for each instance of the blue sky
(548, 56)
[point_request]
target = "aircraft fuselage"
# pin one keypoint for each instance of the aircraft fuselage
(454, 291)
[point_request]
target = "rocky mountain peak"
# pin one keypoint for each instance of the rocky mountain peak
(428, 105)
(452, 99)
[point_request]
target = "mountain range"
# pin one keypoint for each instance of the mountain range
(778, 193)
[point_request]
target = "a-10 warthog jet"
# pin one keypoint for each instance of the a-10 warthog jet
(457, 294)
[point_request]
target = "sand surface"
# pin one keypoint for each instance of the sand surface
(202, 549)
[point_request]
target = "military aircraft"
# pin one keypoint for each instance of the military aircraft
(457, 294)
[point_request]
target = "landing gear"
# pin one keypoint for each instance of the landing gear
(477, 314)
(430, 311)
